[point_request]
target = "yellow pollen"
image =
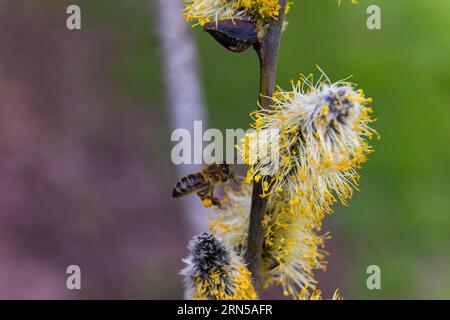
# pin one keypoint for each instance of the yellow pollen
(207, 203)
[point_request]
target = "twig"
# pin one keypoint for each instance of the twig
(267, 49)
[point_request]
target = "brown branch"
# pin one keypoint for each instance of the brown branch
(267, 49)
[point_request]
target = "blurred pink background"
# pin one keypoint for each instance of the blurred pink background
(80, 166)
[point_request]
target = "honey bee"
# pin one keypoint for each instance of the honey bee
(204, 183)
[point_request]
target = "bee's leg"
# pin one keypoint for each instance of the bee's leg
(216, 202)
(205, 196)
(214, 199)
(203, 192)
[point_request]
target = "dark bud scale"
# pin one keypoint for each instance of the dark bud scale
(235, 35)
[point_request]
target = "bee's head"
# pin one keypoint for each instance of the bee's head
(225, 169)
(227, 172)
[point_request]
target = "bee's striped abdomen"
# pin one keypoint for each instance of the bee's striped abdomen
(188, 184)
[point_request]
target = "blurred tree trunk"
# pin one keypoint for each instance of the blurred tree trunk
(183, 89)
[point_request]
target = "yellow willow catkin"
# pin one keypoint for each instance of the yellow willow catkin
(291, 248)
(317, 295)
(214, 272)
(310, 143)
(205, 11)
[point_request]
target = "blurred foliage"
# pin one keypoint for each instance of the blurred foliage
(136, 67)
(401, 219)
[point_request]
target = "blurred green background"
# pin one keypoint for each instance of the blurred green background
(401, 218)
